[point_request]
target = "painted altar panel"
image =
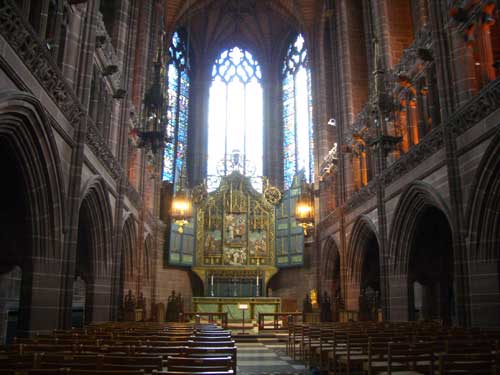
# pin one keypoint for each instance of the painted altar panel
(235, 226)
(235, 237)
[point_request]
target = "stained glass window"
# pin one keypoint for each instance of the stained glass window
(177, 110)
(297, 113)
(235, 121)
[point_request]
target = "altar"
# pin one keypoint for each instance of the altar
(236, 241)
(230, 306)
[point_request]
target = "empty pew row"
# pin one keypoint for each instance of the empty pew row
(408, 348)
(125, 348)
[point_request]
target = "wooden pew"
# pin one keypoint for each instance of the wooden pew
(469, 363)
(228, 372)
(199, 364)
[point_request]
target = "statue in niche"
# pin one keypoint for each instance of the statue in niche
(179, 304)
(172, 313)
(307, 305)
(129, 304)
(325, 308)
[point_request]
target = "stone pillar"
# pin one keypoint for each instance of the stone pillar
(273, 120)
(198, 126)
(40, 296)
(485, 292)
(398, 296)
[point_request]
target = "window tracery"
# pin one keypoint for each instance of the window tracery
(297, 113)
(235, 120)
(178, 83)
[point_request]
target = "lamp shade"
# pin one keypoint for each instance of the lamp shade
(182, 207)
(304, 209)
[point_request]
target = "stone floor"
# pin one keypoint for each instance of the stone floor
(266, 356)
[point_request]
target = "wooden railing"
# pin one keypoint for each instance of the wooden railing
(282, 320)
(213, 317)
(279, 320)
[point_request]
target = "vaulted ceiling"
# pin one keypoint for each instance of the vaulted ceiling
(262, 26)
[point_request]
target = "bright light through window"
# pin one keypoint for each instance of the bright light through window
(297, 114)
(235, 114)
(176, 111)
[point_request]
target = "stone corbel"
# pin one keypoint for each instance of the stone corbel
(110, 70)
(100, 40)
(119, 94)
(425, 54)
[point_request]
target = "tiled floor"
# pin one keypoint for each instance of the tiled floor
(265, 357)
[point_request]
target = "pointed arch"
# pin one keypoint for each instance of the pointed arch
(297, 116)
(129, 254)
(483, 213)
(483, 209)
(235, 118)
(417, 197)
(362, 232)
(148, 257)
(330, 256)
(96, 208)
(25, 130)
(27, 143)
(330, 268)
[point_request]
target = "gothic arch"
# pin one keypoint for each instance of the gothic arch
(483, 229)
(292, 14)
(362, 233)
(148, 273)
(25, 131)
(413, 202)
(148, 257)
(421, 266)
(35, 196)
(484, 205)
(94, 260)
(363, 268)
(330, 267)
(96, 207)
(129, 254)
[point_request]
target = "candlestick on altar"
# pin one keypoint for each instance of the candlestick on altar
(257, 285)
(212, 285)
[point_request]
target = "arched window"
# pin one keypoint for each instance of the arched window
(177, 110)
(235, 115)
(297, 113)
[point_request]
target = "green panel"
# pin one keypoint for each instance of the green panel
(235, 314)
(181, 245)
(264, 309)
(207, 307)
(289, 236)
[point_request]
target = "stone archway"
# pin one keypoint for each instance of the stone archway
(330, 269)
(363, 270)
(330, 276)
(484, 238)
(421, 256)
(128, 270)
(430, 268)
(148, 273)
(94, 256)
(31, 218)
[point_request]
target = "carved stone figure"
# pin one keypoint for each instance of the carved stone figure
(325, 308)
(172, 312)
(129, 303)
(307, 305)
